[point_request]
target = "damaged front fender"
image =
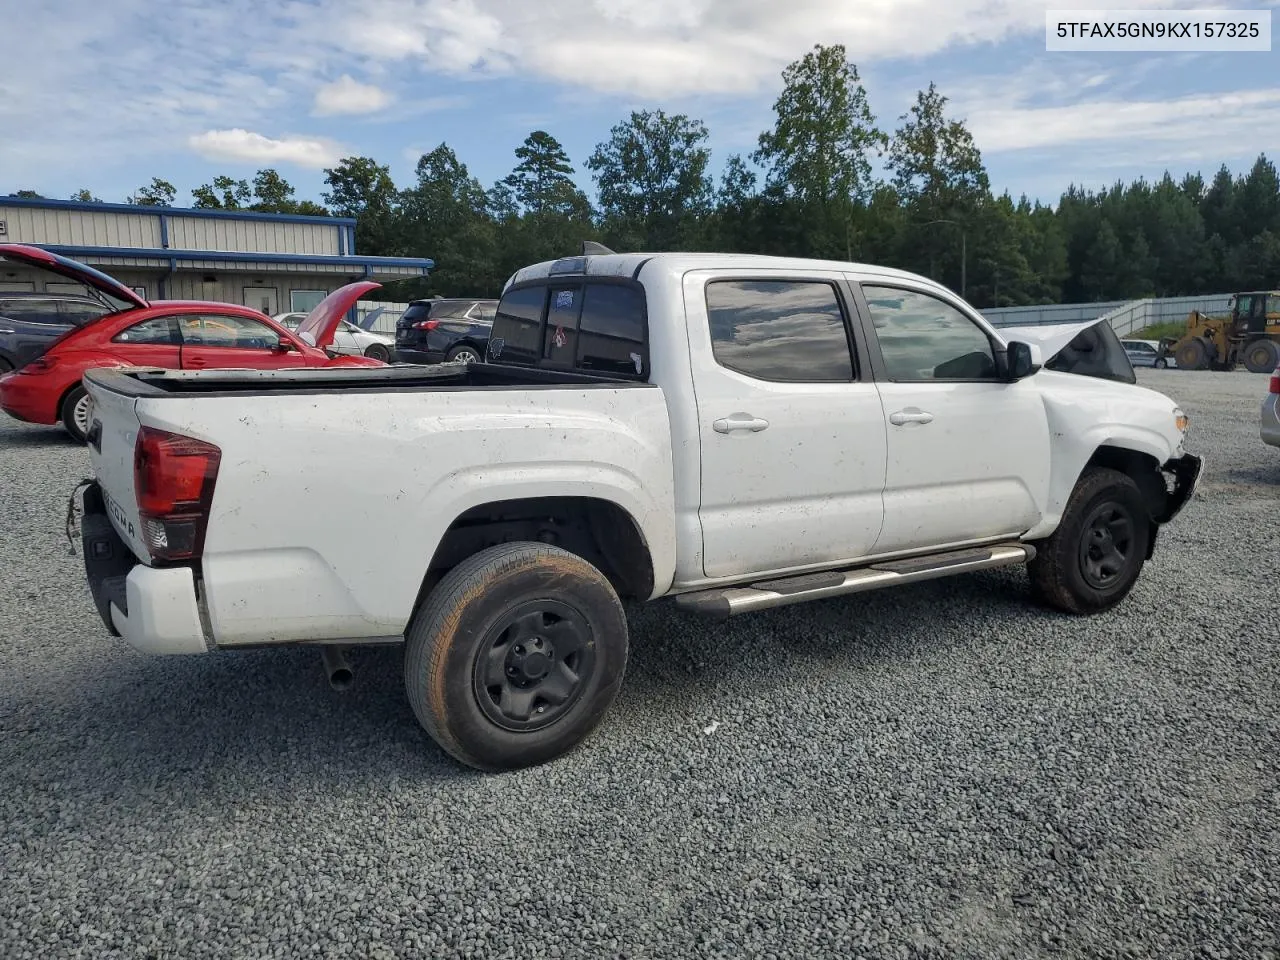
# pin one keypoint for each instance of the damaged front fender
(1186, 471)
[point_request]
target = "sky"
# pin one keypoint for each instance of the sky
(106, 95)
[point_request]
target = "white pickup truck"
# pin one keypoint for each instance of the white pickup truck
(736, 432)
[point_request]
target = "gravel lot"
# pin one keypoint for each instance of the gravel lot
(940, 771)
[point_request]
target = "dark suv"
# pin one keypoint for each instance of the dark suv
(435, 331)
(29, 322)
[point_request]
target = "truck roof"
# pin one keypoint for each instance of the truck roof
(630, 264)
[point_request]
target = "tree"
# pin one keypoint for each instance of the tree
(84, 196)
(447, 218)
(158, 193)
(824, 133)
(362, 188)
(225, 193)
(1099, 272)
(542, 179)
(27, 195)
(818, 155)
(652, 179)
(936, 165)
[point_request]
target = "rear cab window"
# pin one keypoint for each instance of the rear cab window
(591, 326)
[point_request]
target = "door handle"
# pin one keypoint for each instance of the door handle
(193, 362)
(910, 415)
(7, 330)
(739, 421)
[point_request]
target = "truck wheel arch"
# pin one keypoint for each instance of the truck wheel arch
(1145, 471)
(598, 530)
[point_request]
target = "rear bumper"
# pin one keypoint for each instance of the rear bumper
(155, 610)
(1269, 422)
(28, 398)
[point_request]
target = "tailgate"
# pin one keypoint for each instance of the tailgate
(113, 428)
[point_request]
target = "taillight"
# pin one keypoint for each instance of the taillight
(39, 365)
(1275, 382)
(173, 478)
(426, 324)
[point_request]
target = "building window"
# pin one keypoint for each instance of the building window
(304, 301)
(140, 291)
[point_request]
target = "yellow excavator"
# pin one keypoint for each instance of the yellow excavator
(1251, 333)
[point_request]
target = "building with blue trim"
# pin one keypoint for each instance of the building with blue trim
(271, 262)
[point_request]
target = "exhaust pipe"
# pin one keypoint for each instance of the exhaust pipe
(336, 667)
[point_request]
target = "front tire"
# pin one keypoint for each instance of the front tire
(1093, 559)
(1162, 364)
(75, 413)
(516, 656)
(1262, 356)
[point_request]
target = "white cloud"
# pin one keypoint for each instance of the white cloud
(672, 48)
(348, 95)
(1206, 119)
(244, 145)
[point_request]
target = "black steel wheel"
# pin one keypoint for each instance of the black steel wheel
(531, 669)
(1107, 545)
(378, 351)
(515, 656)
(1094, 558)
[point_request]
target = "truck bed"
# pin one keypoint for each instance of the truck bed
(156, 383)
(335, 487)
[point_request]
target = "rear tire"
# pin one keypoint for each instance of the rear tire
(75, 410)
(1093, 559)
(463, 353)
(378, 351)
(515, 656)
(1261, 356)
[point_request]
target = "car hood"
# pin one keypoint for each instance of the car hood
(1050, 338)
(72, 270)
(322, 322)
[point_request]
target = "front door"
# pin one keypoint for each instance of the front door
(790, 426)
(968, 453)
(228, 342)
(262, 298)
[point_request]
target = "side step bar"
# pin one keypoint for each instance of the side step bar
(728, 601)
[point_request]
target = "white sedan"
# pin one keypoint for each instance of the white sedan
(350, 339)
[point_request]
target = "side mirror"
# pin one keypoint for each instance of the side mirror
(1021, 360)
(284, 346)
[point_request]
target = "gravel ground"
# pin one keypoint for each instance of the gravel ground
(940, 771)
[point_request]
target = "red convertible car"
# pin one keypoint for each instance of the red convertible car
(182, 334)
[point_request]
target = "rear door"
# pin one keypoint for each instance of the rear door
(791, 428)
(228, 341)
